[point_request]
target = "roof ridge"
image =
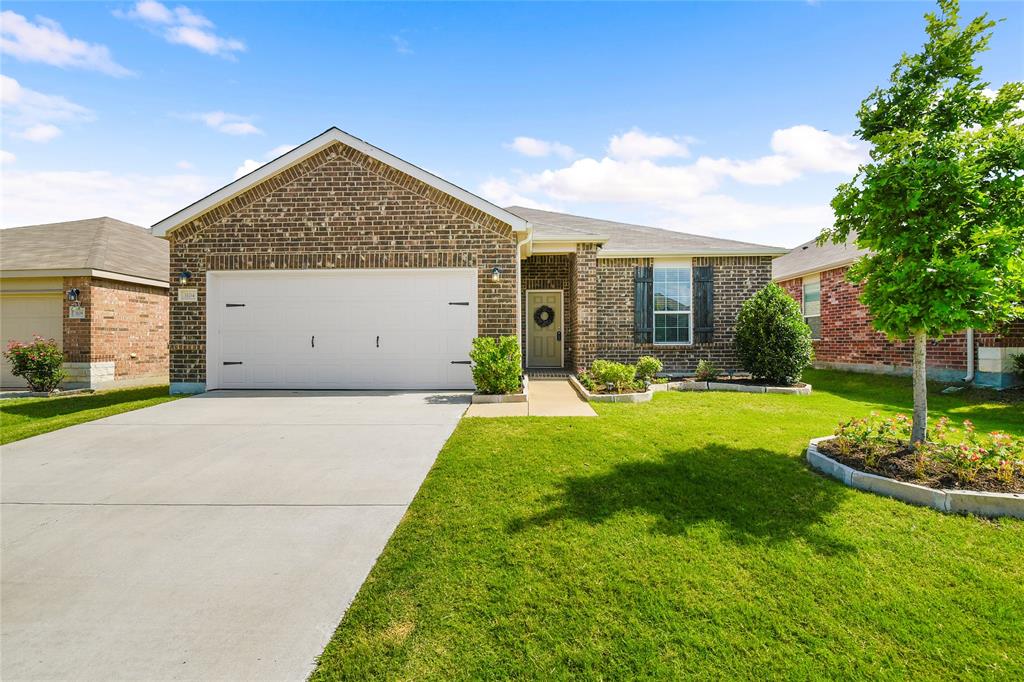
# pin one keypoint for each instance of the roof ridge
(100, 244)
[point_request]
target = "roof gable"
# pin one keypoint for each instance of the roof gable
(329, 137)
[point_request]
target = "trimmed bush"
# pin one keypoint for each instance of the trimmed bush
(1018, 364)
(497, 364)
(646, 367)
(772, 340)
(608, 372)
(706, 371)
(40, 363)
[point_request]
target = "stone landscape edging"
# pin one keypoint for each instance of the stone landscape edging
(975, 502)
(613, 397)
(492, 398)
(741, 388)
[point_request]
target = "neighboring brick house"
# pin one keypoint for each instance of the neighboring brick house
(99, 288)
(339, 265)
(844, 338)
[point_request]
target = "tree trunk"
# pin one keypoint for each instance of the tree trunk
(919, 431)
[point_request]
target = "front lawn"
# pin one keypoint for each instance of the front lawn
(24, 417)
(685, 538)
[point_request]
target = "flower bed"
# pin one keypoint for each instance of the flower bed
(613, 396)
(741, 385)
(959, 470)
(953, 458)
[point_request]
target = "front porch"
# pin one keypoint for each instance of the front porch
(559, 311)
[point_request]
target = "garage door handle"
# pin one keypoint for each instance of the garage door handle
(378, 342)
(312, 342)
(234, 305)
(458, 302)
(233, 363)
(461, 362)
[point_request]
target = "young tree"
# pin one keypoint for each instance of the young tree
(940, 205)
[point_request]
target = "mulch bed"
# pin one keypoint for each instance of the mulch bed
(747, 382)
(899, 462)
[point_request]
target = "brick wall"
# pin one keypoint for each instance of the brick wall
(847, 337)
(586, 302)
(550, 272)
(736, 280)
(338, 209)
(122, 319)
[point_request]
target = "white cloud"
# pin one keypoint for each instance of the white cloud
(531, 146)
(642, 171)
(183, 26)
(402, 45)
(503, 193)
(31, 115)
(40, 132)
(229, 124)
(46, 42)
(249, 165)
(7, 157)
(636, 145)
(50, 196)
(184, 165)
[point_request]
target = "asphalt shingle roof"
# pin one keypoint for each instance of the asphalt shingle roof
(626, 237)
(810, 258)
(95, 244)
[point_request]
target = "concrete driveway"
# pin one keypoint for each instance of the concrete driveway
(219, 537)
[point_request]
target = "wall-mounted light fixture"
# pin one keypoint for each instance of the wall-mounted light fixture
(495, 273)
(73, 294)
(183, 277)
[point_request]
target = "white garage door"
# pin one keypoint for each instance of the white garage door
(348, 329)
(23, 316)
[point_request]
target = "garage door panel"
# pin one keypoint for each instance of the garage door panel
(347, 312)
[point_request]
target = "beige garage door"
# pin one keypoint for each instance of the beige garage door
(22, 316)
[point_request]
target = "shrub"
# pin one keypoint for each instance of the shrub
(1018, 364)
(772, 340)
(608, 372)
(40, 363)
(646, 367)
(497, 364)
(706, 371)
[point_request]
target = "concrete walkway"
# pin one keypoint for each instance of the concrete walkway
(553, 397)
(219, 537)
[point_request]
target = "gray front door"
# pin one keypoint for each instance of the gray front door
(544, 328)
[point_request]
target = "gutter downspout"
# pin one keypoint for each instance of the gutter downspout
(970, 356)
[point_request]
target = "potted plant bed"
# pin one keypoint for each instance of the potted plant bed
(959, 471)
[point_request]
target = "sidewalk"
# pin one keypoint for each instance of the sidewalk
(548, 398)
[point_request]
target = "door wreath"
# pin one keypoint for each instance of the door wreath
(544, 316)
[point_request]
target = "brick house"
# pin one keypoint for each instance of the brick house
(99, 288)
(844, 338)
(339, 265)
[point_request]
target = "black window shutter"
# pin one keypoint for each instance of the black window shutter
(643, 308)
(704, 304)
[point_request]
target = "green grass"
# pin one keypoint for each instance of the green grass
(25, 417)
(685, 538)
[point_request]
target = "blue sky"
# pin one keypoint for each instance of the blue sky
(730, 119)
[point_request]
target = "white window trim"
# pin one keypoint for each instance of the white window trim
(804, 281)
(673, 263)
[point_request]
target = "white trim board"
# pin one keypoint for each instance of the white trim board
(85, 272)
(330, 136)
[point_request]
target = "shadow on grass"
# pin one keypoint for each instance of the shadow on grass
(41, 408)
(752, 495)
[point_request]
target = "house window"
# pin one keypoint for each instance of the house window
(673, 288)
(812, 305)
